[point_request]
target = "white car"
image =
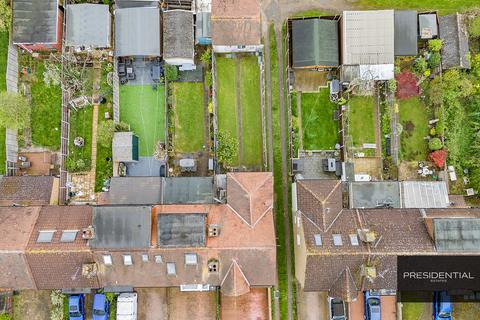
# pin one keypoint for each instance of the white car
(127, 306)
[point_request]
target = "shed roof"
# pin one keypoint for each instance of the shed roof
(122, 145)
(368, 37)
(88, 25)
(315, 43)
(134, 190)
(181, 230)
(425, 194)
(137, 31)
(121, 227)
(406, 33)
(428, 27)
(188, 190)
(375, 194)
(203, 26)
(35, 21)
(457, 234)
(455, 49)
(178, 34)
(26, 190)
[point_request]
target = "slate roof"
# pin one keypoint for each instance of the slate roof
(315, 43)
(137, 31)
(26, 190)
(181, 230)
(457, 234)
(406, 33)
(368, 37)
(187, 190)
(134, 191)
(126, 227)
(178, 34)
(236, 22)
(375, 194)
(88, 25)
(35, 21)
(455, 49)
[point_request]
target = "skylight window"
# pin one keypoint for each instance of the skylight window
(68, 235)
(190, 258)
(127, 260)
(318, 239)
(354, 239)
(337, 240)
(158, 259)
(171, 270)
(144, 257)
(107, 259)
(45, 235)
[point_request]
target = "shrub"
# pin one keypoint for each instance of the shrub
(5, 316)
(434, 60)
(206, 57)
(435, 45)
(106, 129)
(420, 65)
(435, 144)
(474, 27)
(433, 132)
(438, 158)
(227, 150)
(392, 85)
(171, 72)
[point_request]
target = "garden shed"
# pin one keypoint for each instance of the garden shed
(178, 37)
(137, 32)
(88, 25)
(315, 43)
(455, 49)
(125, 147)
(424, 194)
(428, 26)
(406, 33)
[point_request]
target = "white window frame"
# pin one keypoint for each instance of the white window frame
(171, 265)
(190, 256)
(52, 232)
(107, 259)
(69, 232)
(127, 260)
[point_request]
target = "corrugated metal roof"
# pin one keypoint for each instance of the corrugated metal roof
(315, 43)
(137, 32)
(425, 194)
(188, 190)
(455, 49)
(406, 33)
(88, 25)
(457, 234)
(122, 227)
(35, 21)
(181, 230)
(368, 37)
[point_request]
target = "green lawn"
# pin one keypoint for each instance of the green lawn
(189, 116)
(3, 60)
(144, 109)
(3, 151)
(46, 112)
(104, 165)
(80, 126)
(444, 6)
(319, 130)
(251, 112)
(412, 310)
(414, 119)
(362, 120)
(250, 103)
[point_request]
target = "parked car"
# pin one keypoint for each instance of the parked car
(372, 306)
(127, 306)
(76, 307)
(337, 309)
(101, 307)
(442, 306)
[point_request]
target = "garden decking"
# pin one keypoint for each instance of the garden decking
(143, 108)
(188, 102)
(319, 129)
(239, 106)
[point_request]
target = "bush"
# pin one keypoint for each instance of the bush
(227, 150)
(435, 45)
(433, 132)
(171, 73)
(434, 60)
(5, 316)
(420, 65)
(106, 129)
(206, 57)
(474, 27)
(438, 158)
(435, 144)
(392, 85)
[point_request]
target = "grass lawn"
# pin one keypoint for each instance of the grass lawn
(144, 109)
(444, 6)
(319, 130)
(362, 120)
(3, 151)
(414, 119)
(80, 126)
(104, 165)
(189, 116)
(46, 112)
(251, 112)
(3, 60)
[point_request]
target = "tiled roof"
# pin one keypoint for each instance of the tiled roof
(26, 190)
(235, 283)
(16, 225)
(344, 286)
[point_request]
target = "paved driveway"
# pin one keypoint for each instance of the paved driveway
(191, 305)
(152, 304)
(252, 305)
(312, 305)
(32, 305)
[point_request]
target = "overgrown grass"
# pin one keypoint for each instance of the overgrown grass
(46, 111)
(189, 116)
(104, 165)
(144, 109)
(444, 6)
(3, 151)
(414, 119)
(3, 60)
(80, 126)
(311, 13)
(251, 112)
(362, 120)
(319, 130)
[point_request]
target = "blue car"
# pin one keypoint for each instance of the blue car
(101, 307)
(442, 306)
(372, 306)
(76, 307)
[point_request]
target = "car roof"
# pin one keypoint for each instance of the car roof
(99, 300)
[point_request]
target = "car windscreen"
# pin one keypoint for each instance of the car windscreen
(373, 301)
(444, 315)
(74, 314)
(98, 312)
(337, 309)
